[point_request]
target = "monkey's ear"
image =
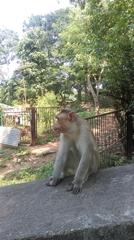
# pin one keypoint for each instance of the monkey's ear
(71, 116)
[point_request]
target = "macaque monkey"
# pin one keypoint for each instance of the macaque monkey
(77, 153)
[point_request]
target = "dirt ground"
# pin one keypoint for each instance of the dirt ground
(12, 160)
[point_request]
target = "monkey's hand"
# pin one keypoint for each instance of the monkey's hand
(75, 188)
(53, 181)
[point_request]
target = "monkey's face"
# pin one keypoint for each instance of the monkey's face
(63, 123)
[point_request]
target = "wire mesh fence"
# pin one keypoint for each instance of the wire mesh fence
(18, 118)
(113, 130)
(45, 121)
(110, 134)
(35, 123)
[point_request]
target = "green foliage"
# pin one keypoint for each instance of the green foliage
(86, 114)
(18, 159)
(100, 39)
(4, 159)
(106, 101)
(40, 65)
(47, 108)
(46, 118)
(45, 170)
(79, 49)
(109, 159)
(49, 100)
(111, 31)
(8, 154)
(116, 160)
(45, 137)
(22, 152)
(8, 42)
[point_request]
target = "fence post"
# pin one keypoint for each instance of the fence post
(129, 134)
(33, 126)
(0, 118)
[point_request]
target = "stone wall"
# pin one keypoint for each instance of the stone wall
(103, 211)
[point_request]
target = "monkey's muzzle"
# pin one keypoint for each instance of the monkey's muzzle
(58, 129)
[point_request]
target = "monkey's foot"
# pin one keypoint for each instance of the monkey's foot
(74, 188)
(53, 182)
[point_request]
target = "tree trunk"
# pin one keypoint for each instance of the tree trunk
(94, 95)
(85, 92)
(79, 95)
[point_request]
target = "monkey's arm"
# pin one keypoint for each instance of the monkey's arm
(60, 161)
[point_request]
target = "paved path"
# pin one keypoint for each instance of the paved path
(50, 147)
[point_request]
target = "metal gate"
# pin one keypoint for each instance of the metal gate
(18, 118)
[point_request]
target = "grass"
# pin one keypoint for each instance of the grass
(16, 168)
(7, 155)
(27, 175)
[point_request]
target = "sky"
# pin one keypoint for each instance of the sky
(14, 12)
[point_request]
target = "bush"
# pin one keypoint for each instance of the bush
(49, 100)
(86, 114)
(47, 108)
(106, 101)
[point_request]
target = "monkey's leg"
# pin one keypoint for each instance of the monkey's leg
(86, 168)
(95, 162)
(82, 172)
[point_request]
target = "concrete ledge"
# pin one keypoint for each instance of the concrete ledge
(103, 211)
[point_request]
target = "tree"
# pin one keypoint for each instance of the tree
(119, 38)
(39, 65)
(8, 42)
(6, 92)
(79, 2)
(78, 51)
(112, 40)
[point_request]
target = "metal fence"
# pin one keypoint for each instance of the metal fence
(45, 120)
(35, 123)
(114, 131)
(18, 118)
(109, 130)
